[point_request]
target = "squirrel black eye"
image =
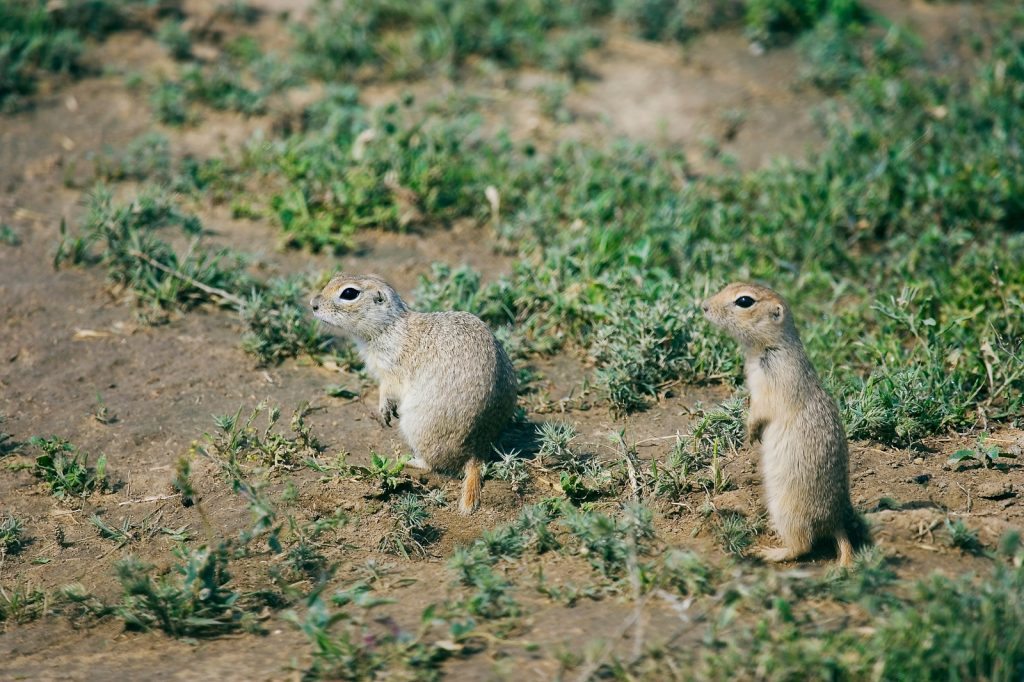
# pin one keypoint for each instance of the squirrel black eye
(349, 294)
(745, 301)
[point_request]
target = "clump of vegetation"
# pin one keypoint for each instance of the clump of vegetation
(242, 80)
(354, 644)
(768, 21)
(21, 603)
(582, 477)
(37, 37)
(511, 467)
(964, 538)
(175, 39)
(277, 326)
(410, 531)
(695, 458)
(182, 482)
(8, 236)
(65, 469)
(147, 157)
(408, 39)
(197, 603)
(988, 455)
(640, 349)
(237, 440)
(686, 573)
(734, 532)
(123, 238)
(383, 473)
(170, 104)
(304, 556)
(954, 624)
(677, 20)
(12, 534)
(608, 542)
(127, 532)
(7, 442)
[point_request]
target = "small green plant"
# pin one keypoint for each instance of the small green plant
(987, 455)
(555, 448)
(122, 237)
(345, 655)
(8, 236)
(609, 542)
(147, 157)
(716, 482)
(127, 532)
(304, 556)
(102, 413)
(197, 603)
(865, 582)
(341, 391)
(66, 470)
(241, 440)
(677, 20)
(672, 479)
(410, 531)
(182, 482)
(37, 38)
(640, 348)
(383, 473)
(533, 525)
(175, 39)
(512, 468)
(170, 104)
(770, 21)
(12, 534)
(734, 531)
(21, 604)
(278, 327)
(685, 572)
(354, 643)
(575, 488)
(405, 40)
(7, 442)
(963, 538)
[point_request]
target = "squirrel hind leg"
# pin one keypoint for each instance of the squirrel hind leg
(796, 543)
(845, 548)
(471, 487)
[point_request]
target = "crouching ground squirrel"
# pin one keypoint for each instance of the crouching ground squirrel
(443, 375)
(804, 456)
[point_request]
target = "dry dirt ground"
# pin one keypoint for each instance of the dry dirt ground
(68, 343)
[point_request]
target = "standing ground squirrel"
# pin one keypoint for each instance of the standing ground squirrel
(804, 456)
(444, 375)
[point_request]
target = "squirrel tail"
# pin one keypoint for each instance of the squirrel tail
(471, 486)
(853, 535)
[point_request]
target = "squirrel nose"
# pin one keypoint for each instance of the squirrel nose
(705, 307)
(315, 303)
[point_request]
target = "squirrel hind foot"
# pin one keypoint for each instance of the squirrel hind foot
(471, 487)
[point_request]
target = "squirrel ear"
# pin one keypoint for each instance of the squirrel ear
(778, 312)
(378, 297)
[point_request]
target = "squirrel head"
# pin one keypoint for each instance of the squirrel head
(754, 315)
(361, 306)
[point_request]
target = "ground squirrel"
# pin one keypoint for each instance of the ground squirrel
(444, 375)
(804, 456)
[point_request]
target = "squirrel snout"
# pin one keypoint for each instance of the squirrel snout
(315, 303)
(705, 306)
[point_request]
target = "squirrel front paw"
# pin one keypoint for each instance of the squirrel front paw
(388, 409)
(755, 429)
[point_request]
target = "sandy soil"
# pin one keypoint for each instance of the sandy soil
(68, 342)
